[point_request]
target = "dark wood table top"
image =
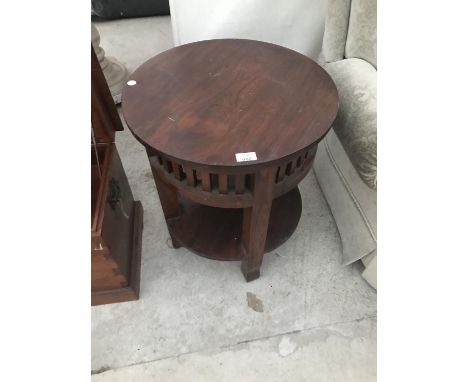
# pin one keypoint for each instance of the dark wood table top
(206, 101)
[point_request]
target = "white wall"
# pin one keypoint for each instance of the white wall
(296, 24)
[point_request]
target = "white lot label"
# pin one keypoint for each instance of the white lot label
(245, 157)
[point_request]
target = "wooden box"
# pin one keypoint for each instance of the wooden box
(116, 219)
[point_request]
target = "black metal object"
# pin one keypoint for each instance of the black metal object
(113, 9)
(114, 193)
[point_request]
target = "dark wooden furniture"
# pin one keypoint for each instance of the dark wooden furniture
(195, 107)
(116, 219)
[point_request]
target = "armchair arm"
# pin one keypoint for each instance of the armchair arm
(336, 29)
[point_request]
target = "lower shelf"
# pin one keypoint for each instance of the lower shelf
(215, 233)
(132, 291)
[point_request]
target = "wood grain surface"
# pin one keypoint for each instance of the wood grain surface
(206, 101)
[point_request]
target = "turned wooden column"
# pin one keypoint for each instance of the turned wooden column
(115, 72)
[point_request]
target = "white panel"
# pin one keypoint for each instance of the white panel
(296, 24)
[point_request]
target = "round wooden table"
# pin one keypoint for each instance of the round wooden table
(198, 106)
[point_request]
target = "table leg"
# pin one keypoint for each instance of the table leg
(169, 199)
(255, 224)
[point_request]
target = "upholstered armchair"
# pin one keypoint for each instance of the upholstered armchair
(346, 161)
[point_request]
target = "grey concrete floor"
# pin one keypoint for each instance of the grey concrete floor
(193, 321)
